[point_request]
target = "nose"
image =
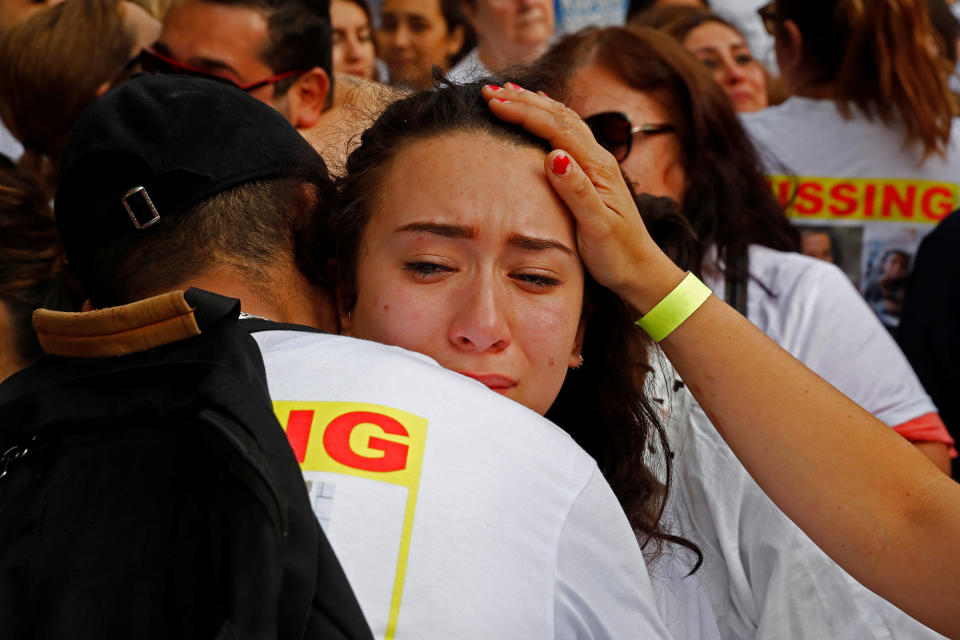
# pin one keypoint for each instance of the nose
(732, 72)
(351, 49)
(481, 323)
(401, 37)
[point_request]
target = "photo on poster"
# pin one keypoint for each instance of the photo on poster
(839, 245)
(886, 262)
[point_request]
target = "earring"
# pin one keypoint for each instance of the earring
(579, 355)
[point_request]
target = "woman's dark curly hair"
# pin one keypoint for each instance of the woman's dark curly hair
(602, 404)
(726, 198)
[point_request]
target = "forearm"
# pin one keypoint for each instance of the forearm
(864, 494)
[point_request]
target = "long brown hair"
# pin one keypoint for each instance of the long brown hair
(876, 54)
(602, 404)
(52, 65)
(726, 198)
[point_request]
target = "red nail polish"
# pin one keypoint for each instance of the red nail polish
(515, 86)
(560, 164)
(502, 99)
(493, 87)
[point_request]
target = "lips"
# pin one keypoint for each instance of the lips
(494, 381)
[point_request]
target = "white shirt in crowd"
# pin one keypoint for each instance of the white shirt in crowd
(765, 577)
(468, 69)
(455, 512)
(9, 146)
(858, 185)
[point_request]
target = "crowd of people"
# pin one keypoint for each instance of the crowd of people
(639, 329)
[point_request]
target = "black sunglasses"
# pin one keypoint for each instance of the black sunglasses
(614, 131)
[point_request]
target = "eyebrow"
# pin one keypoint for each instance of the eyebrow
(710, 48)
(461, 232)
(446, 230)
(538, 244)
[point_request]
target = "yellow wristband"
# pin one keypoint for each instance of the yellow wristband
(673, 310)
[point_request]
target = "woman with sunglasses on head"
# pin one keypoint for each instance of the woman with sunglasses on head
(867, 134)
(674, 133)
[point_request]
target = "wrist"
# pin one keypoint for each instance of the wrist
(675, 308)
(654, 280)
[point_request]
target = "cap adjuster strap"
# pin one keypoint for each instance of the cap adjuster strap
(137, 199)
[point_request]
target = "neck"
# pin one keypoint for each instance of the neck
(813, 86)
(290, 298)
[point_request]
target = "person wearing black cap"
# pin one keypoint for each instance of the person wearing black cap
(454, 511)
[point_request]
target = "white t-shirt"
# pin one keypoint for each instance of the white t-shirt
(468, 69)
(765, 577)
(873, 197)
(812, 311)
(767, 580)
(455, 512)
(682, 601)
(9, 146)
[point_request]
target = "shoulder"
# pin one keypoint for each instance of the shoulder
(462, 414)
(787, 275)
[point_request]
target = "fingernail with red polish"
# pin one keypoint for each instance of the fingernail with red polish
(560, 164)
(515, 86)
(501, 100)
(493, 87)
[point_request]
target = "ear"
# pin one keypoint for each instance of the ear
(343, 299)
(575, 358)
(307, 98)
(345, 315)
(789, 50)
(455, 40)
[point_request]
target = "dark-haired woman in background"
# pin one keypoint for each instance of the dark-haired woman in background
(354, 50)
(722, 48)
(674, 132)
(417, 35)
(867, 134)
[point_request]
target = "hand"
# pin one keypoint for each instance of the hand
(612, 239)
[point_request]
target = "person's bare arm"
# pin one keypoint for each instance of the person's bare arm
(872, 501)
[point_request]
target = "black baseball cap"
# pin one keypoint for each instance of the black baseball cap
(156, 146)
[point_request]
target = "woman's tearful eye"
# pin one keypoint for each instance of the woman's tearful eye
(537, 280)
(423, 270)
